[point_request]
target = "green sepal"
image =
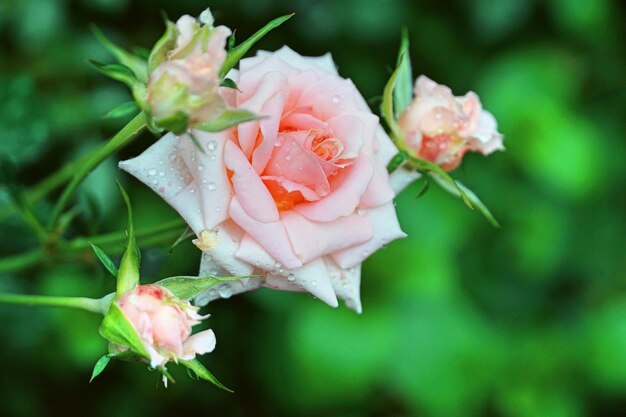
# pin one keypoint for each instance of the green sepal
(196, 367)
(427, 167)
(388, 104)
(425, 188)
(118, 72)
(118, 330)
(128, 274)
(99, 366)
(163, 46)
(228, 83)
(403, 91)
(396, 161)
(104, 259)
(125, 75)
(470, 195)
(175, 123)
(227, 119)
(136, 64)
(187, 287)
(124, 109)
(238, 52)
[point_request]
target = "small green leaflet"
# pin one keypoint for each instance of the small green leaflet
(203, 373)
(403, 91)
(128, 274)
(227, 119)
(187, 287)
(104, 258)
(99, 367)
(238, 52)
(124, 109)
(136, 64)
(387, 107)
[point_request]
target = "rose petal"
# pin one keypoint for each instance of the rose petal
(200, 343)
(347, 188)
(250, 190)
(346, 283)
(386, 229)
(271, 235)
(175, 184)
(312, 240)
(312, 276)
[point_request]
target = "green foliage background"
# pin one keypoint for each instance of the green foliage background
(459, 319)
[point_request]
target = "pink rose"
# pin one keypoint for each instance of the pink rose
(186, 82)
(440, 127)
(300, 198)
(164, 324)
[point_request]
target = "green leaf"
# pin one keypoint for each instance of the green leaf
(118, 330)
(104, 258)
(428, 167)
(136, 64)
(228, 119)
(163, 46)
(117, 72)
(403, 91)
(470, 195)
(99, 367)
(203, 373)
(187, 287)
(128, 274)
(238, 52)
(228, 83)
(396, 161)
(184, 236)
(125, 109)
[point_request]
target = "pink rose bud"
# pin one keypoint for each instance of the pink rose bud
(440, 127)
(164, 322)
(183, 88)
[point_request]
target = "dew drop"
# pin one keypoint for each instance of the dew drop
(192, 190)
(335, 99)
(225, 291)
(277, 264)
(212, 145)
(200, 168)
(291, 277)
(362, 211)
(155, 181)
(211, 186)
(152, 172)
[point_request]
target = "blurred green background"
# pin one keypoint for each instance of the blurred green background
(459, 319)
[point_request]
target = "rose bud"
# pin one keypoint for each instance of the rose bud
(183, 85)
(441, 128)
(163, 323)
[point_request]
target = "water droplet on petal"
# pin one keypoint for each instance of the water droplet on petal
(277, 265)
(291, 277)
(201, 168)
(362, 211)
(212, 145)
(335, 99)
(225, 291)
(152, 172)
(192, 190)
(211, 186)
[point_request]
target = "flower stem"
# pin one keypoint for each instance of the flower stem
(21, 261)
(122, 138)
(94, 305)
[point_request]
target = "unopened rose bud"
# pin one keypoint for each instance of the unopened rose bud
(441, 128)
(163, 323)
(183, 86)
